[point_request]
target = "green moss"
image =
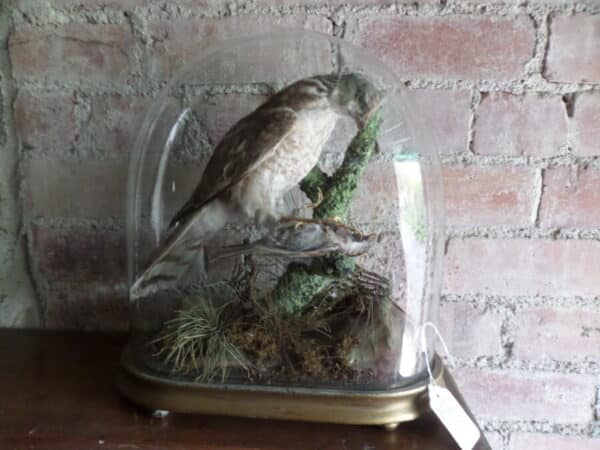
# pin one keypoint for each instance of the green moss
(298, 286)
(312, 183)
(338, 190)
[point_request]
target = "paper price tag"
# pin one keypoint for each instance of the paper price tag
(453, 417)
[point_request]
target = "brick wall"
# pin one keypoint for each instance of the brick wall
(513, 86)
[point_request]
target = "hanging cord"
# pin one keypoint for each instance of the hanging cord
(424, 345)
(444, 404)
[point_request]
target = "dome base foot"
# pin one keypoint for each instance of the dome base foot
(391, 426)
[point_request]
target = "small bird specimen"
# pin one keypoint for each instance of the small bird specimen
(305, 238)
(260, 159)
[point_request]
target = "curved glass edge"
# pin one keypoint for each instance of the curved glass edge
(432, 183)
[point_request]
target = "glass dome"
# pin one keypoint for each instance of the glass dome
(284, 223)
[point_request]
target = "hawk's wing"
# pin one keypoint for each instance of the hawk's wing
(246, 145)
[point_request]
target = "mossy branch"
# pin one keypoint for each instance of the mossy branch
(300, 283)
(338, 189)
(313, 184)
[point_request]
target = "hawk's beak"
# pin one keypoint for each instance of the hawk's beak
(362, 121)
(380, 96)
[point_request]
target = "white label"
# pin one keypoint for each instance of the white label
(453, 416)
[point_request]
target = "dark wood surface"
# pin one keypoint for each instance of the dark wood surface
(57, 392)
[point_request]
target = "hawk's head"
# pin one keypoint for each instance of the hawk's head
(357, 97)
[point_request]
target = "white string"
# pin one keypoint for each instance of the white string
(392, 128)
(424, 345)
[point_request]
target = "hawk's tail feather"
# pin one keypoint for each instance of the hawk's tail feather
(182, 251)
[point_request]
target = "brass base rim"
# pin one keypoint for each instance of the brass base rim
(382, 407)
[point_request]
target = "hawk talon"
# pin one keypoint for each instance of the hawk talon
(336, 220)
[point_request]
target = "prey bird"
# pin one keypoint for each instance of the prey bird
(305, 238)
(260, 159)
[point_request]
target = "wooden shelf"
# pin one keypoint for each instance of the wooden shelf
(57, 392)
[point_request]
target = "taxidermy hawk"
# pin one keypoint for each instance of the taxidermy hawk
(260, 159)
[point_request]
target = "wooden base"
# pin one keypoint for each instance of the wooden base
(383, 407)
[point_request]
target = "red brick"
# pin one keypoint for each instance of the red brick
(574, 53)
(92, 53)
(514, 395)
(129, 4)
(447, 113)
(584, 129)
(267, 3)
(470, 331)
(78, 5)
(78, 253)
(558, 333)
(489, 196)
(571, 197)
(539, 441)
(172, 48)
(45, 122)
(86, 306)
(96, 189)
(185, 178)
(377, 200)
(115, 123)
(508, 124)
(523, 267)
(71, 188)
(219, 112)
(457, 47)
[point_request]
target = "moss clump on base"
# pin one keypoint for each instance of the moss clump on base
(297, 286)
(331, 339)
(195, 341)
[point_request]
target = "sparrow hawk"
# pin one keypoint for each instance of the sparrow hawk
(260, 159)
